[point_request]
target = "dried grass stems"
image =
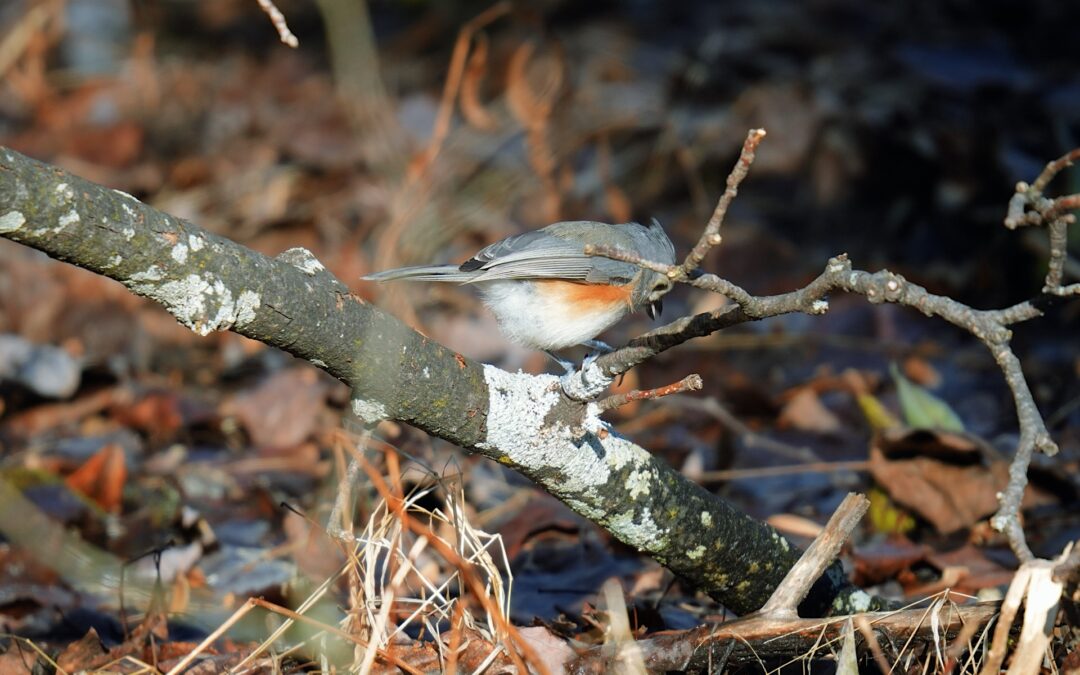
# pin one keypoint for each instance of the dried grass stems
(389, 571)
(383, 558)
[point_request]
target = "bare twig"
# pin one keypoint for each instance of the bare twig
(278, 19)
(1035, 587)
(412, 193)
(991, 327)
(817, 558)
(688, 383)
(711, 236)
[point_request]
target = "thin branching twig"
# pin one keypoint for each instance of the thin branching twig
(1027, 207)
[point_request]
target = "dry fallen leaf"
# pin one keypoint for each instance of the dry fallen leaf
(282, 411)
(806, 412)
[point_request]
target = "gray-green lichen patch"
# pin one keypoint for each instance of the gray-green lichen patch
(195, 242)
(637, 483)
(303, 260)
(781, 540)
(150, 274)
(706, 519)
(853, 603)
(203, 303)
(696, 552)
(12, 221)
(637, 526)
(518, 405)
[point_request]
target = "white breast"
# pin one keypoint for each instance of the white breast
(528, 318)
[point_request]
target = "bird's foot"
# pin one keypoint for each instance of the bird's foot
(588, 382)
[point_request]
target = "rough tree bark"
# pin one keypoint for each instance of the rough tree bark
(210, 283)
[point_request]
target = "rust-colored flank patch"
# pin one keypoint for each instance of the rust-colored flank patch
(587, 296)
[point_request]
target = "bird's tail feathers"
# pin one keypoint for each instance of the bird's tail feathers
(448, 273)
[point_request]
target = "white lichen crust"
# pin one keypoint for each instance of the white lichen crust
(302, 259)
(582, 460)
(246, 306)
(12, 221)
(369, 411)
(202, 302)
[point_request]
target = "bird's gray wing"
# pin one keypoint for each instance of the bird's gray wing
(539, 254)
(555, 252)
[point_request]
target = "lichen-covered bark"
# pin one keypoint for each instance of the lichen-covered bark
(210, 283)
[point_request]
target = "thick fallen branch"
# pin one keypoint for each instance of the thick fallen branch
(210, 283)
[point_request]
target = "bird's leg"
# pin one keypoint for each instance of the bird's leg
(599, 347)
(567, 364)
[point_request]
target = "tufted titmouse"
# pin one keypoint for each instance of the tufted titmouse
(546, 293)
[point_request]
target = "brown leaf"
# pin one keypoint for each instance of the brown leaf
(19, 660)
(940, 476)
(283, 410)
(58, 415)
(554, 652)
(102, 477)
(980, 571)
(884, 560)
(806, 412)
(158, 414)
(82, 654)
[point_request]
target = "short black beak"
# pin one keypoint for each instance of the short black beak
(654, 309)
